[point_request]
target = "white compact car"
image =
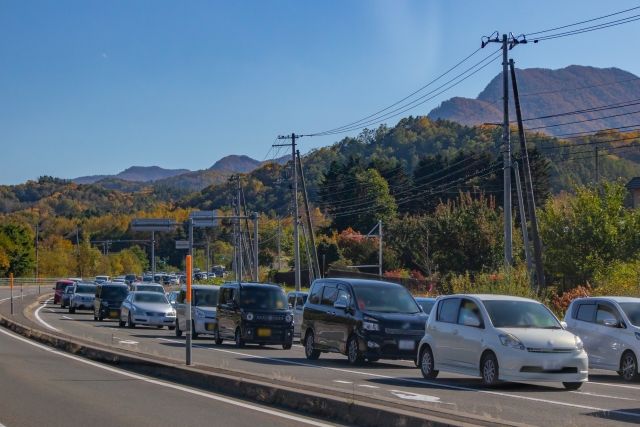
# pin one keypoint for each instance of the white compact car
(147, 308)
(501, 338)
(83, 296)
(610, 330)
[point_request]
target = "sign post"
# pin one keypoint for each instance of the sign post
(11, 288)
(152, 225)
(189, 275)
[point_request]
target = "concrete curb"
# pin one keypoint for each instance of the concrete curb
(304, 402)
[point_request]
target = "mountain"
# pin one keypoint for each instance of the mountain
(135, 174)
(545, 92)
(235, 164)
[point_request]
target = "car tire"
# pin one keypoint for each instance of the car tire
(239, 340)
(72, 310)
(629, 366)
(95, 318)
(572, 386)
(194, 334)
(171, 328)
(287, 345)
(309, 347)
(159, 326)
(178, 330)
(130, 323)
(427, 364)
(489, 370)
(122, 323)
(216, 337)
(353, 351)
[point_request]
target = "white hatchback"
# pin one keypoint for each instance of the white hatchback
(501, 338)
(610, 330)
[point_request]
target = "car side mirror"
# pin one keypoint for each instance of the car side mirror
(564, 324)
(611, 323)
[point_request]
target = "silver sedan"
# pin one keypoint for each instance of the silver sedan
(147, 308)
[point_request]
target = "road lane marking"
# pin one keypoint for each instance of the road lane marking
(415, 396)
(424, 382)
(367, 386)
(66, 318)
(128, 342)
(343, 382)
(169, 385)
(615, 385)
(586, 393)
(37, 314)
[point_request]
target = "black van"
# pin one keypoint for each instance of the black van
(363, 319)
(254, 313)
(109, 297)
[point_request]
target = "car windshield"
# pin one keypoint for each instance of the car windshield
(85, 289)
(205, 297)
(114, 292)
(266, 298)
(150, 288)
(520, 314)
(385, 299)
(155, 297)
(632, 310)
(426, 305)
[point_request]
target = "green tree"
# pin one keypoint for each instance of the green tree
(17, 253)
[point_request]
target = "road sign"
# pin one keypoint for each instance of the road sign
(153, 224)
(205, 218)
(182, 244)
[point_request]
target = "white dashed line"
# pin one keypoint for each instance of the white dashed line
(343, 382)
(586, 393)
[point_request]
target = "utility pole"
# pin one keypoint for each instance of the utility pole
(153, 256)
(523, 221)
(278, 243)
(78, 252)
(315, 263)
(208, 269)
(296, 236)
(597, 165)
(37, 257)
(189, 274)
(528, 181)
(506, 146)
(380, 249)
(256, 247)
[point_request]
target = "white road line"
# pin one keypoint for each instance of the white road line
(169, 385)
(415, 396)
(128, 342)
(367, 386)
(615, 385)
(586, 393)
(37, 314)
(343, 382)
(67, 318)
(424, 382)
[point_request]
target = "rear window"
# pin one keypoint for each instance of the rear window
(205, 297)
(114, 292)
(62, 285)
(150, 288)
(85, 289)
(585, 312)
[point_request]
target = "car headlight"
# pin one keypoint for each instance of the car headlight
(199, 313)
(580, 345)
(171, 313)
(105, 303)
(288, 318)
(509, 340)
(369, 324)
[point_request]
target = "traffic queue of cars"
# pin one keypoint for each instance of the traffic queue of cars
(495, 337)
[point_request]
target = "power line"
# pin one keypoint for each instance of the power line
(582, 22)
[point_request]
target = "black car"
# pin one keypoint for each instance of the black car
(109, 297)
(254, 313)
(363, 319)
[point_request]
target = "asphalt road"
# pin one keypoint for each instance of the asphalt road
(43, 387)
(605, 400)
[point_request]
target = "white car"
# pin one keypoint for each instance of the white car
(147, 287)
(203, 310)
(501, 338)
(610, 330)
(296, 303)
(83, 296)
(147, 308)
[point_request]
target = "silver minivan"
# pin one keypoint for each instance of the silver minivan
(610, 330)
(204, 300)
(296, 303)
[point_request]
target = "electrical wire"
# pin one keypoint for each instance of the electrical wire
(582, 22)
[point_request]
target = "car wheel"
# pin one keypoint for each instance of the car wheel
(239, 340)
(353, 351)
(178, 330)
(489, 369)
(287, 345)
(121, 323)
(171, 328)
(94, 316)
(159, 326)
(572, 386)
(309, 347)
(72, 310)
(427, 363)
(216, 336)
(130, 323)
(629, 366)
(194, 334)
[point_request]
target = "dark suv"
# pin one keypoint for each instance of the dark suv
(254, 313)
(109, 297)
(363, 319)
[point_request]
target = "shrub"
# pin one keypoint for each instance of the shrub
(618, 278)
(560, 303)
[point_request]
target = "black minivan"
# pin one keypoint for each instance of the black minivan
(109, 297)
(254, 313)
(363, 319)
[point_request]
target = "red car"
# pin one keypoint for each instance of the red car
(59, 288)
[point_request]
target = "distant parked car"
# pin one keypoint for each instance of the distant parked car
(203, 310)
(426, 304)
(147, 287)
(363, 319)
(66, 296)
(296, 304)
(610, 330)
(147, 308)
(147, 278)
(83, 296)
(254, 313)
(501, 338)
(109, 297)
(130, 278)
(59, 290)
(102, 279)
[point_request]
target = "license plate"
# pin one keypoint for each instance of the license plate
(113, 313)
(264, 332)
(209, 326)
(406, 345)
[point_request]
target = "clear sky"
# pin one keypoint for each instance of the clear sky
(93, 86)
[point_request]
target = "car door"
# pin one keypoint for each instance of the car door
(445, 331)
(468, 346)
(608, 351)
(340, 320)
(181, 310)
(313, 312)
(581, 323)
(225, 313)
(324, 327)
(126, 307)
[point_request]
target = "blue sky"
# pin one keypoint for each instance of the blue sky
(92, 87)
